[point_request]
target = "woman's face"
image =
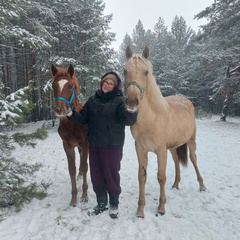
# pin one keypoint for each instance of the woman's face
(108, 85)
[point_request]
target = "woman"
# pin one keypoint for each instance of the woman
(106, 116)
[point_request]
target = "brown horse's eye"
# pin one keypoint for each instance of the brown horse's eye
(146, 73)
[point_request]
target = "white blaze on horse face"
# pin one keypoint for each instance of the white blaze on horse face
(61, 84)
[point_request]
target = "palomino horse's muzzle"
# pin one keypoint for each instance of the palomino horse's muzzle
(132, 103)
(60, 111)
(142, 90)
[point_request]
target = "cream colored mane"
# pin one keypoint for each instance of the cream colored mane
(153, 92)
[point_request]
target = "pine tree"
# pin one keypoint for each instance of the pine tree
(220, 38)
(160, 55)
(14, 106)
(14, 189)
(139, 37)
(121, 54)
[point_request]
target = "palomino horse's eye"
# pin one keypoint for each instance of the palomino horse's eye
(146, 73)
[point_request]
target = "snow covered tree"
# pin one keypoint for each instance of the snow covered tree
(87, 42)
(14, 106)
(121, 53)
(34, 34)
(160, 55)
(17, 184)
(230, 90)
(139, 37)
(221, 42)
(14, 188)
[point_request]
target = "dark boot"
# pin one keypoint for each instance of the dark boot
(113, 211)
(102, 201)
(102, 198)
(100, 208)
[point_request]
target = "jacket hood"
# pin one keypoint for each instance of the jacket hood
(114, 74)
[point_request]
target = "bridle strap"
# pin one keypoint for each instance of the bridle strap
(142, 90)
(68, 102)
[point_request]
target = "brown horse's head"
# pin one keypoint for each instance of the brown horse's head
(66, 89)
(136, 71)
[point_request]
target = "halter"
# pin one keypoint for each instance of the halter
(74, 94)
(142, 90)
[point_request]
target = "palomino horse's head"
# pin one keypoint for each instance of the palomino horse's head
(66, 89)
(136, 71)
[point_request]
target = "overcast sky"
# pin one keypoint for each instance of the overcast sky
(126, 14)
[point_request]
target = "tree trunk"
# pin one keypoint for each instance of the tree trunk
(225, 109)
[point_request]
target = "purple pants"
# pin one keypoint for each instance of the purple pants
(104, 170)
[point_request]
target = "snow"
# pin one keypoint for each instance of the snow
(190, 214)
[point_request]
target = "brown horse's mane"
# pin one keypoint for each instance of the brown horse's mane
(153, 92)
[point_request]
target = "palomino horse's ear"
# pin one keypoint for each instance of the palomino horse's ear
(53, 70)
(145, 52)
(71, 70)
(128, 52)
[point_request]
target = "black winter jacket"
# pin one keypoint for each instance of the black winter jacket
(106, 117)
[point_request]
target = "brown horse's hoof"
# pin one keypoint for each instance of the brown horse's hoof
(175, 186)
(161, 213)
(73, 204)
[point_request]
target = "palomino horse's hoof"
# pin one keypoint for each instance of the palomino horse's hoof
(159, 213)
(202, 188)
(140, 216)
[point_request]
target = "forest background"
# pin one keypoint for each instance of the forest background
(34, 34)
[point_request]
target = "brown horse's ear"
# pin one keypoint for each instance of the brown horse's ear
(145, 52)
(53, 70)
(128, 52)
(71, 70)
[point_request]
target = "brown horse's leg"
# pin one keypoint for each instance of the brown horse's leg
(177, 168)
(162, 164)
(142, 178)
(83, 170)
(80, 150)
(192, 148)
(72, 171)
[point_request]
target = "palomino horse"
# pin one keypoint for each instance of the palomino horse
(162, 124)
(66, 89)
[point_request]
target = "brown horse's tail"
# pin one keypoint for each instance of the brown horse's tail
(182, 153)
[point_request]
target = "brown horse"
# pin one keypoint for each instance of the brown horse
(162, 124)
(66, 89)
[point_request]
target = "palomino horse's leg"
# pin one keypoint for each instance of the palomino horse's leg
(162, 164)
(83, 170)
(192, 148)
(142, 178)
(72, 171)
(177, 168)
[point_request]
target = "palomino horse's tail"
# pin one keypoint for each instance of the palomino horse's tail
(182, 153)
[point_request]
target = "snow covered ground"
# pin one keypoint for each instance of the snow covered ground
(190, 214)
